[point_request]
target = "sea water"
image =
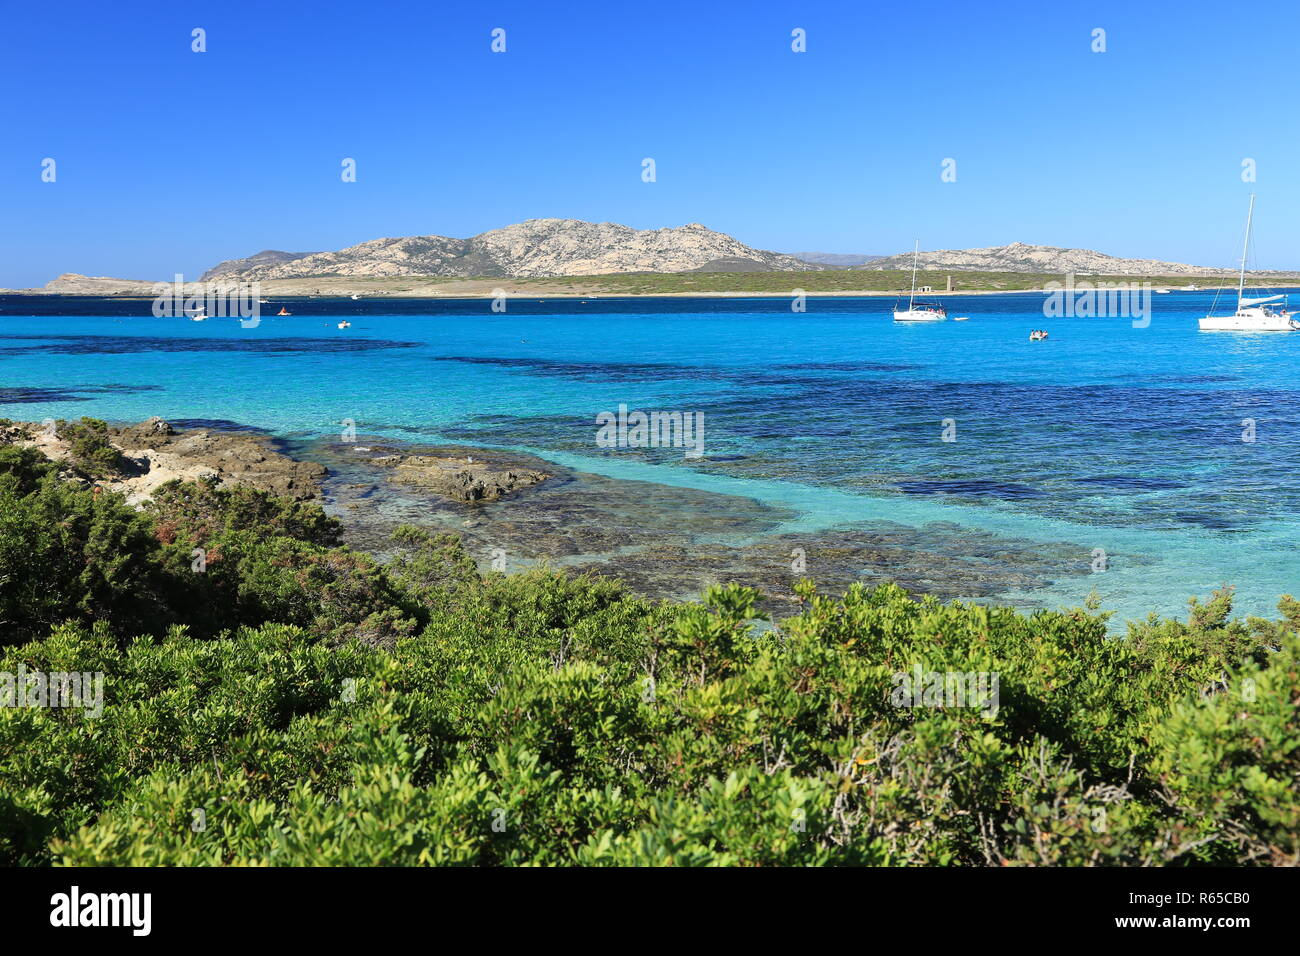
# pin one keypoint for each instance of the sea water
(1165, 455)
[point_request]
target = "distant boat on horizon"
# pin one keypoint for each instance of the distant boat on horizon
(923, 311)
(1252, 315)
(283, 311)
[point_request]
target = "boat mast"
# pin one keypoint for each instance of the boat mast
(1241, 283)
(916, 252)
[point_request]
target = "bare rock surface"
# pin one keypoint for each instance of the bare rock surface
(468, 478)
(155, 452)
(536, 247)
(1023, 257)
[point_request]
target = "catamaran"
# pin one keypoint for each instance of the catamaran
(919, 311)
(1252, 315)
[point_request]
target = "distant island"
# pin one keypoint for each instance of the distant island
(558, 257)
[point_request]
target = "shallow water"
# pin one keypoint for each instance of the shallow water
(831, 422)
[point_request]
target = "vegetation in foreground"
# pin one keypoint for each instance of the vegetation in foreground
(273, 698)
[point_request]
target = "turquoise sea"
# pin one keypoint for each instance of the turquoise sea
(1105, 438)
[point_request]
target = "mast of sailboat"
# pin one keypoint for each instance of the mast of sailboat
(916, 252)
(1245, 248)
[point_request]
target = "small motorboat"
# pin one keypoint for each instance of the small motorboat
(1038, 335)
(284, 311)
(356, 297)
(961, 318)
(345, 324)
(201, 317)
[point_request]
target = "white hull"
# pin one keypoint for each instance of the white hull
(1253, 314)
(927, 312)
(1250, 320)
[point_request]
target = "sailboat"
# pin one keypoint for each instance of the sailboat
(1252, 315)
(919, 311)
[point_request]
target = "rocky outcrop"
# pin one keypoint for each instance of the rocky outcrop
(154, 453)
(1021, 257)
(537, 247)
(268, 257)
(835, 260)
(70, 283)
(459, 478)
(232, 457)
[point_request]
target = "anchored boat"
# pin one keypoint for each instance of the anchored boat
(919, 311)
(1260, 314)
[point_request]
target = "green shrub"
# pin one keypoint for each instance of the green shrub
(89, 448)
(297, 703)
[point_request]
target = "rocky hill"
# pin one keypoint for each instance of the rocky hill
(835, 260)
(1021, 257)
(537, 247)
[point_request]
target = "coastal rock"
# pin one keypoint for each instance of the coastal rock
(231, 457)
(155, 452)
(70, 283)
(457, 478)
(673, 542)
(148, 429)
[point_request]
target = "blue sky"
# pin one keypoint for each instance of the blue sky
(169, 160)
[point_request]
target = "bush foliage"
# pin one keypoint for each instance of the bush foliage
(296, 703)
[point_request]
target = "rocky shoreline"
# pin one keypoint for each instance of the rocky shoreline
(514, 511)
(155, 452)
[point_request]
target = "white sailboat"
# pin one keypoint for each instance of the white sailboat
(923, 311)
(1252, 315)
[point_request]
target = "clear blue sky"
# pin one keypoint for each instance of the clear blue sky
(170, 160)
